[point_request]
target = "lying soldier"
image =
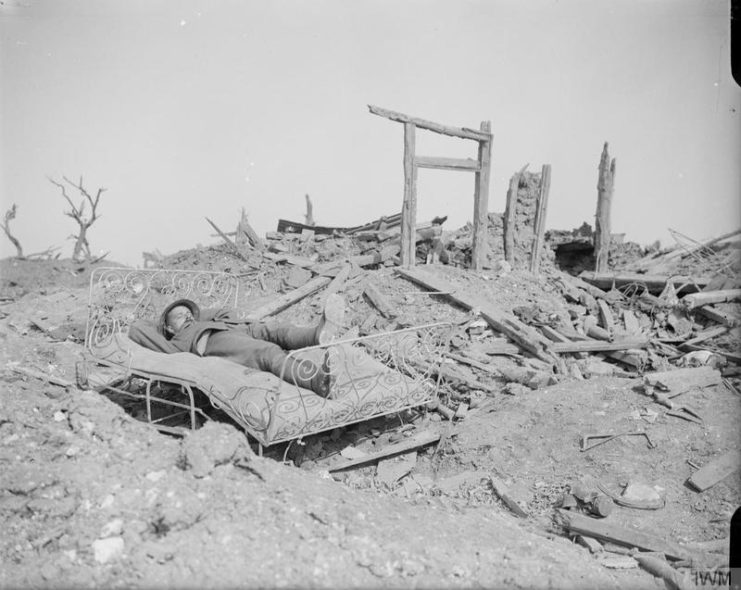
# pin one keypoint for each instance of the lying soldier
(184, 327)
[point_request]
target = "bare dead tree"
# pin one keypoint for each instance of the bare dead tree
(9, 216)
(82, 247)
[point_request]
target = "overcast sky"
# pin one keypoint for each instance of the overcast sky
(185, 109)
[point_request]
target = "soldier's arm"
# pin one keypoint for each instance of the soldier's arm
(146, 334)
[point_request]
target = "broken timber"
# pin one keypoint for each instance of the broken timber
(226, 238)
(419, 440)
(715, 471)
(654, 283)
(600, 345)
(720, 316)
(412, 162)
(540, 214)
(710, 297)
(605, 185)
(604, 531)
(289, 299)
(523, 335)
(378, 300)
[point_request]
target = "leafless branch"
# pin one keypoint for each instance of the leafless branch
(9, 216)
(78, 214)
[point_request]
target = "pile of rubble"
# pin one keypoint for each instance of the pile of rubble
(538, 330)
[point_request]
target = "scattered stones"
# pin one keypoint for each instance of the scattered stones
(214, 444)
(107, 550)
(113, 528)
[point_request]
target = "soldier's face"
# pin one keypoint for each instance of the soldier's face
(177, 317)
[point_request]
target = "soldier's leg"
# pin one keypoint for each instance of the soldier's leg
(290, 337)
(262, 355)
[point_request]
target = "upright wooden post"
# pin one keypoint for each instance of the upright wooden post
(540, 215)
(481, 202)
(605, 186)
(509, 218)
(409, 207)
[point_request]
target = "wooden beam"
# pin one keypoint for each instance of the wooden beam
(378, 301)
(446, 163)
(461, 132)
(705, 335)
(654, 283)
(605, 531)
(481, 202)
(717, 315)
(419, 440)
(599, 345)
(226, 238)
(605, 316)
(540, 215)
(43, 376)
(386, 253)
(710, 297)
(605, 186)
(473, 363)
(715, 471)
(337, 282)
(284, 301)
(409, 207)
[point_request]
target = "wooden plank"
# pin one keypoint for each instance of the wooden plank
(605, 531)
(524, 336)
(481, 202)
(228, 240)
(43, 376)
(710, 297)
(632, 326)
(417, 441)
(434, 162)
(605, 316)
(337, 282)
(579, 283)
(654, 283)
(409, 207)
(385, 254)
(599, 345)
(288, 299)
(286, 226)
(605, 186)
(473, 363)
(705, 335)
(378, 300)
(715, 471)
(461, 132)
(290, 259)
(720, 316)
(540, 216)
(553, 335)
(502, 491)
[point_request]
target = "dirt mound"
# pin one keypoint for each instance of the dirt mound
(91, 496)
